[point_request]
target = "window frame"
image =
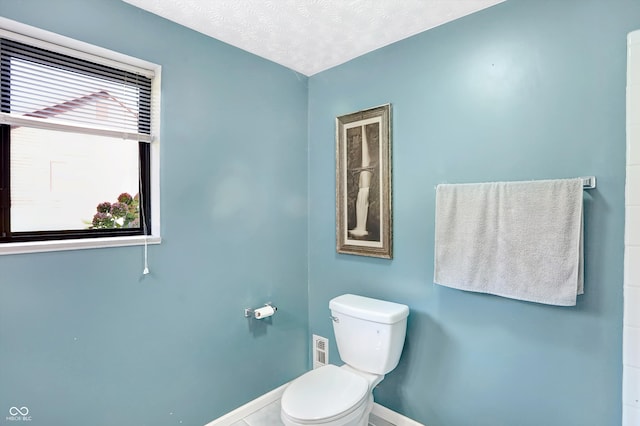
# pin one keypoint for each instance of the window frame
(29, 242)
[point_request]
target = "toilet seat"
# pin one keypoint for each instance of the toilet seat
(324, 394)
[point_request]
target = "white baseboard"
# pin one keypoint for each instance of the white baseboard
(392, 417)
(249, 408)
(274, 395)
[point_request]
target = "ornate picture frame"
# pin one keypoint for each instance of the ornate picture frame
(363, 183)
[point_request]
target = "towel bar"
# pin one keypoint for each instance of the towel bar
(588, 182)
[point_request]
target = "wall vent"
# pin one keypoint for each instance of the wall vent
(320, 351)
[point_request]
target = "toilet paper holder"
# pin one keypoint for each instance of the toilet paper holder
(263, 312)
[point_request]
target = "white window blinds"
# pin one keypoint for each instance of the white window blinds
(43, 88)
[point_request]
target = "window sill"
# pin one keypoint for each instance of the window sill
(79, 244)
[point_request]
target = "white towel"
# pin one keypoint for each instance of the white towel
(521, 240)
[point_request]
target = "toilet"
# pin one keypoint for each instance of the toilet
(369, 336)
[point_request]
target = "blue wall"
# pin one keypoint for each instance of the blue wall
(527, 89)
(84, 340)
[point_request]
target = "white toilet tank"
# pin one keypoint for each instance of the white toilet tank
(369, 332)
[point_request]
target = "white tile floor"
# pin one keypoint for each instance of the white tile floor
(270, 416)
(267, 416)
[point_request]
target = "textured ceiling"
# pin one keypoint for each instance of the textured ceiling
(310, 36)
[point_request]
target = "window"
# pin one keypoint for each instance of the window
(75, 145)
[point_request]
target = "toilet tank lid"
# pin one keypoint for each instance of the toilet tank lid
(369, 309)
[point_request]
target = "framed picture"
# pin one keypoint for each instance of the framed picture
(363, 183)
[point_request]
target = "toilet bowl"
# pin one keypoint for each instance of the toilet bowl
(369, 335)
(329, 395)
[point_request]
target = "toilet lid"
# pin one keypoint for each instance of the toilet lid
(325, 392)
